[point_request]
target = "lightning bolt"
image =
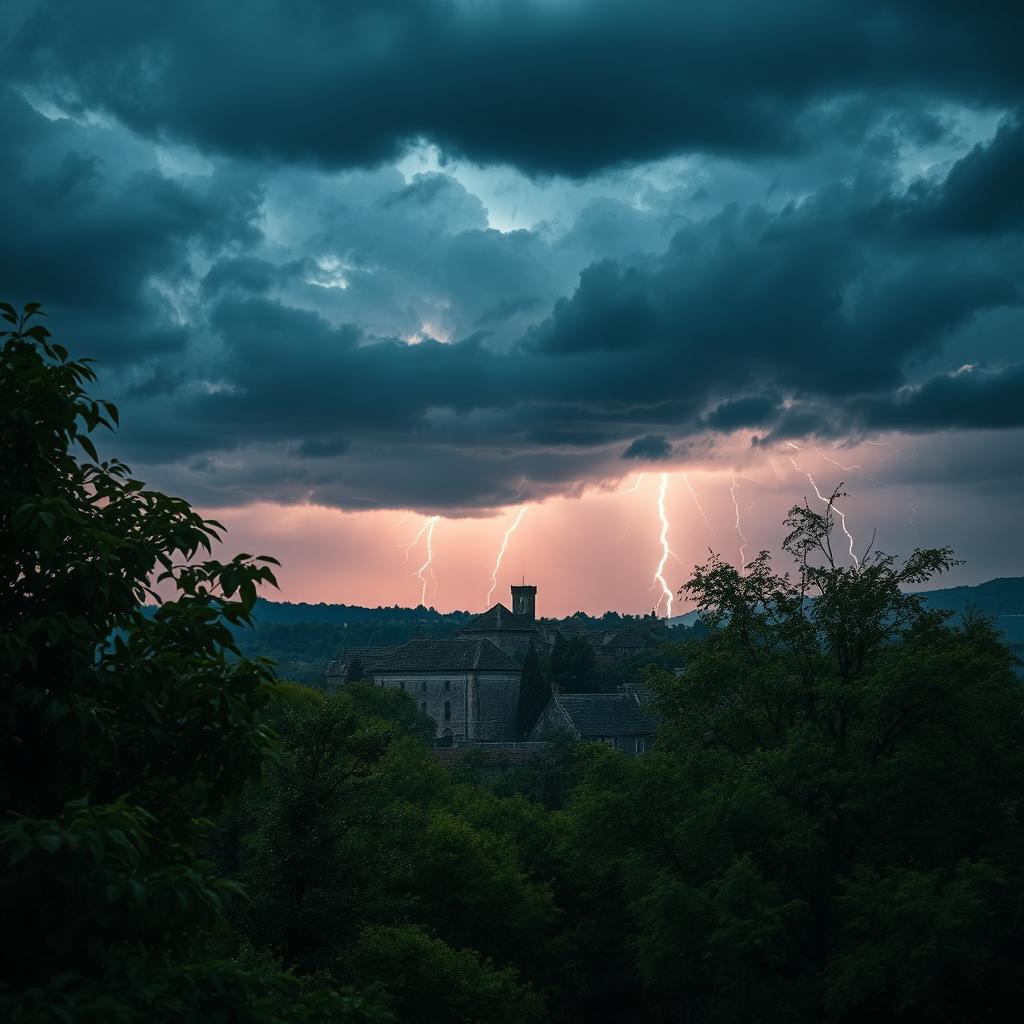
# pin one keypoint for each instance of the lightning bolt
(639, 481)
(416, 540)
(739, 527)
(883, 444)
(501, 553)
(696, 501)
(845, 469)
(426, 530)
(666, 551)
(821, 497)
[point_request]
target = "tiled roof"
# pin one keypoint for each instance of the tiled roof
(625, 639)
(499, 619)
(459, 655)
(604, 714)
(575, 625)
(369, 656)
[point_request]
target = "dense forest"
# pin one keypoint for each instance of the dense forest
(829, 828)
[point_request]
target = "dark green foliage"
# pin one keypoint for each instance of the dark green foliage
(417, 975)
(115, 750)
(829, 827)
(355, 671)
(534, 694)
(573, 665)
(356, 832)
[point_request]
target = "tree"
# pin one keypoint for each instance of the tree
(534, 694)
(121, 732)
(830, 826)
(572, 664)
(416, 974)
(355, 670)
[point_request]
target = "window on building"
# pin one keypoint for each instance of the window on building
(447, 710)
(423, 686)
(640, 746)
(423, 705)
(402, 685)
(447, 685)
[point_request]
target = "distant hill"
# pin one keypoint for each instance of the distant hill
(289, 613)
(1001, 599)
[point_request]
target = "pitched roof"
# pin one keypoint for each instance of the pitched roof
(625, 639)
(499, 619)
(604, 714)
(574, 625)
(369, 656)
(459, 655)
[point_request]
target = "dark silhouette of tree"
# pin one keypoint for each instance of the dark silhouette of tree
(534, 694)
(121, 731)
(355, 673)
(573, 665)
(833, 808)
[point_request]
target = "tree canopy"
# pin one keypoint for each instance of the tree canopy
(122, 733)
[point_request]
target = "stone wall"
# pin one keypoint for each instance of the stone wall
(481, 705)
(497, 696)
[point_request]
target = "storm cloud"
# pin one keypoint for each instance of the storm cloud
(457, 256)
(551, 86)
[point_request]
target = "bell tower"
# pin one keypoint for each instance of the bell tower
(524, 602)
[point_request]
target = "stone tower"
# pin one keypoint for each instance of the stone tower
(524, 602)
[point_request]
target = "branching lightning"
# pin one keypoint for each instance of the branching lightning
(696, 501)
(666, 551)
(827, 501)
(501, 553)
(639, 481)
(739, 526)
(845, 469)
(427, 531)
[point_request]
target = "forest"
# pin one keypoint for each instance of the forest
(829, 827)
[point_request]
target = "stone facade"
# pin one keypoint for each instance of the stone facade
(466, 705)
(468, 686)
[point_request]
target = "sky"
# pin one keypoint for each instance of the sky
(368, 279)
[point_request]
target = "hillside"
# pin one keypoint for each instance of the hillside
(1001, 599)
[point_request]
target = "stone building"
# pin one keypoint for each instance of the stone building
(513, 632)
(623, 644)
(469, 684)
(622, 720)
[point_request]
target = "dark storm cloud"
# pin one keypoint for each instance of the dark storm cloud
(563, 87)
(751, 411)
(971, 398)
(799, 321)
(98, 236)
(257, 317)
(650, 447)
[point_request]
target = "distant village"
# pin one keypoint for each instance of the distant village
(471, 684)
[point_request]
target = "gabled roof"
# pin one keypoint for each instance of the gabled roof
(369, 656)
(574, 625)
(592, 715)
(499, 619)
(625, 639)
(458, 655)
